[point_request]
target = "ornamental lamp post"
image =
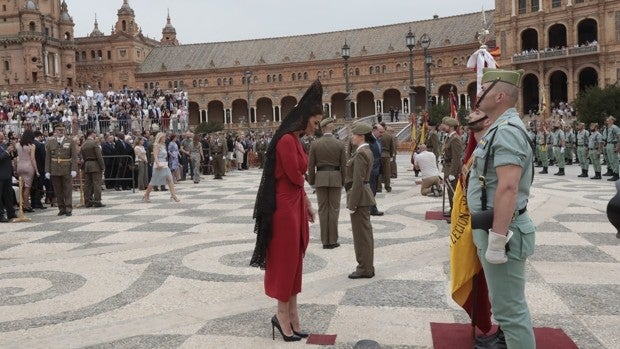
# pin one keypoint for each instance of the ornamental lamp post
(410, 41)
(425, 42)
(248, 76)
(346, 53)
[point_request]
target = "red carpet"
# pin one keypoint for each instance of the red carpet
(321, 339)
(458, 336)
(434, 216)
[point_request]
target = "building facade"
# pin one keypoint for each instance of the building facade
(37, 48)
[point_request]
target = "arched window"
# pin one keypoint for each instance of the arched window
(398, 67)
(124, 26)
(455, 61)
(146, 86)
(377, 69)
(219, 82)
(176, 84)
(92, 54)
(293, 76)
(83, 55)
(331, 74)
(305, 75)
(274, 77)
(206, 83)
(199, 83)
(383, 69)
(77, 56)
(439, 63)
(268, 78)
(299, 76)
(151, 85)
(194, 84)
(67, 36)
(169, 84)
(357, 71)
(230, 81)
(371, 70)
(279, 77)
(32, 26)
(99, 54)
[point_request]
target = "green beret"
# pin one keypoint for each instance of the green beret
(361, 128)
(327, 121)
(450, 121)
(512, 77)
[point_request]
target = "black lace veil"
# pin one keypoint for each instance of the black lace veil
(296, 120)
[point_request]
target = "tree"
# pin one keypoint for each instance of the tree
(594, 103)
(437, 112)
(209, 127)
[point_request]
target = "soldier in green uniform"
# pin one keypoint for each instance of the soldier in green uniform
(559, 142)
(326, 172)
(452, 156)
(543, 140)
(570, 145)
(499, 180)
(388, 150)
(61, 168)
(359, 200)
(93, 170)
(583, 137)
(218, 151)
(261, 149)
(595, 149)
(612, 147)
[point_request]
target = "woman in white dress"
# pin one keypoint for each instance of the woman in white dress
(161, 171)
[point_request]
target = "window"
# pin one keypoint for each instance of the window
(299, 76)
(293, 76)
(32, 26)
(305, 75)
(383, 69)
(77, 56)
(67, 36)
(146, 86)
(268, 78)
(169, 84)
(279, 77)
(398, 67)
(92, 54)
(371, 70)
(556, 3)
(70, 82)
(7, 65)
(194, 84)
(124, 26)
(534, 6)
(455, 61)
(439, 63)
(83, 55)
(522, 6)
(357, 71)
(99, 54)
(331, 74)
(206, 83)
(617, 26)
(109, 54)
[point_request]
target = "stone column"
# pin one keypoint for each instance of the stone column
(45, 63)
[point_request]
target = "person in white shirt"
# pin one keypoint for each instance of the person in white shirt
(427, 163)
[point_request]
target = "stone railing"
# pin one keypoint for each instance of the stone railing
(553, 54)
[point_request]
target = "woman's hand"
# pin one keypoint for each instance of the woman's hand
(311, 214)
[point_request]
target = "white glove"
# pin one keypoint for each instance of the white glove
(223, 158)
(73, 174)
(496, 250)
(451, 178)
(352, 211)
(210, 158)
(562, 150)
(47, 175)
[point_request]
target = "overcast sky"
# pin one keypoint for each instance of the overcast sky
(198, 21)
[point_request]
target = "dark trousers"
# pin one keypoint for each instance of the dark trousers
(92, 187)
(8, 195)
(374, 181)
(63, 187)
(36, 193)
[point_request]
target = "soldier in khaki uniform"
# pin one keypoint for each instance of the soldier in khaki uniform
(359, 200)
(93, 170)
(261, 149)
(388, 150)
(452, 155)
(218, 151)
(61, 167)
(326, 172)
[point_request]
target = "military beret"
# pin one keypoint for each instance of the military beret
(361, 128)
(450, 121)
(59, 127)
(327, 121)
(512, 77)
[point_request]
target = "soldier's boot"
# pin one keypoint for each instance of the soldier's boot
(539, 164)
(614, 178)
(544, 170)
(560, 172)
(608, 173)
(584, 173)
(597, 175)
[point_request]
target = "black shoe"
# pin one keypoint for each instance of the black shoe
(608, 173)
(613, 179)
(355, 275)
(331, 246)
(3, 219)
(62, 213)
(27, 209)
(118, 189)
(299, 334)
(11, 215)
(543, 171)
(559, 173)
(98, 204)
(378, 213)
(88, 205)
(597, 175)
(584, 173)
(276, 324)
(389, 190)
(69, 214)
(155, 189)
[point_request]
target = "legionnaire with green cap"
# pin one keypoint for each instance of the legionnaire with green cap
(543, 140)
(326, 172)
(499, 183)
(569, 134)
(612, 148)
(595, 149)
(559, 142)
(61, 168)
(583, 137)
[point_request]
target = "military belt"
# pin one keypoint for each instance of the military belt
(91, 159)
(328, 168)
(61, 160)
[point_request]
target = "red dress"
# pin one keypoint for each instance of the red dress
(290, 230)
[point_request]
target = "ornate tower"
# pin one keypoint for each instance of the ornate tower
(169, 34)
(126, 22)
(96, 32)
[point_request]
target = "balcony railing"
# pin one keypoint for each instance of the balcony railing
(554, 54)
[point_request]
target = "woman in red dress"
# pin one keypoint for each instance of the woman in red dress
(283, 210)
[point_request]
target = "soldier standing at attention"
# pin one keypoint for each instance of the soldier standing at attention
(452, 155)
(543, 140)
(432, 141)
(261, 149)
(559, 142)
(93, 169)
(570, 144)
(582, 148)
(218, 150)
(612, 148)
(326, 172)
(388, 150)
(595, 149)
(500, 179)
(61, 167)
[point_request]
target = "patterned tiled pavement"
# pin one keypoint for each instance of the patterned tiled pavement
(176, 275)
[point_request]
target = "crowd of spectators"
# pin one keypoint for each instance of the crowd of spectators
(553, 49)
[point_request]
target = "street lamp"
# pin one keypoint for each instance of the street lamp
(346, 53)
(425, 42)
(248, 76)
(410, 40)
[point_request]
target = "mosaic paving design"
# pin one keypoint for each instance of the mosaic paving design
(176, 275)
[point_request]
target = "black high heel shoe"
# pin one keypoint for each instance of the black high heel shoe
(300, 334)
(276, 324)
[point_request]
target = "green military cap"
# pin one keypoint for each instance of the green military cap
(59, 127)
(512, 77)
(327, 121)
(450, 121)
(361, 128)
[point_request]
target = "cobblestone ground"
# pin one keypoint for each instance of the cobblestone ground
(176, 275)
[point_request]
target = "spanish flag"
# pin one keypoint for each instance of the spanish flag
(424, 130)
(468, 285)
